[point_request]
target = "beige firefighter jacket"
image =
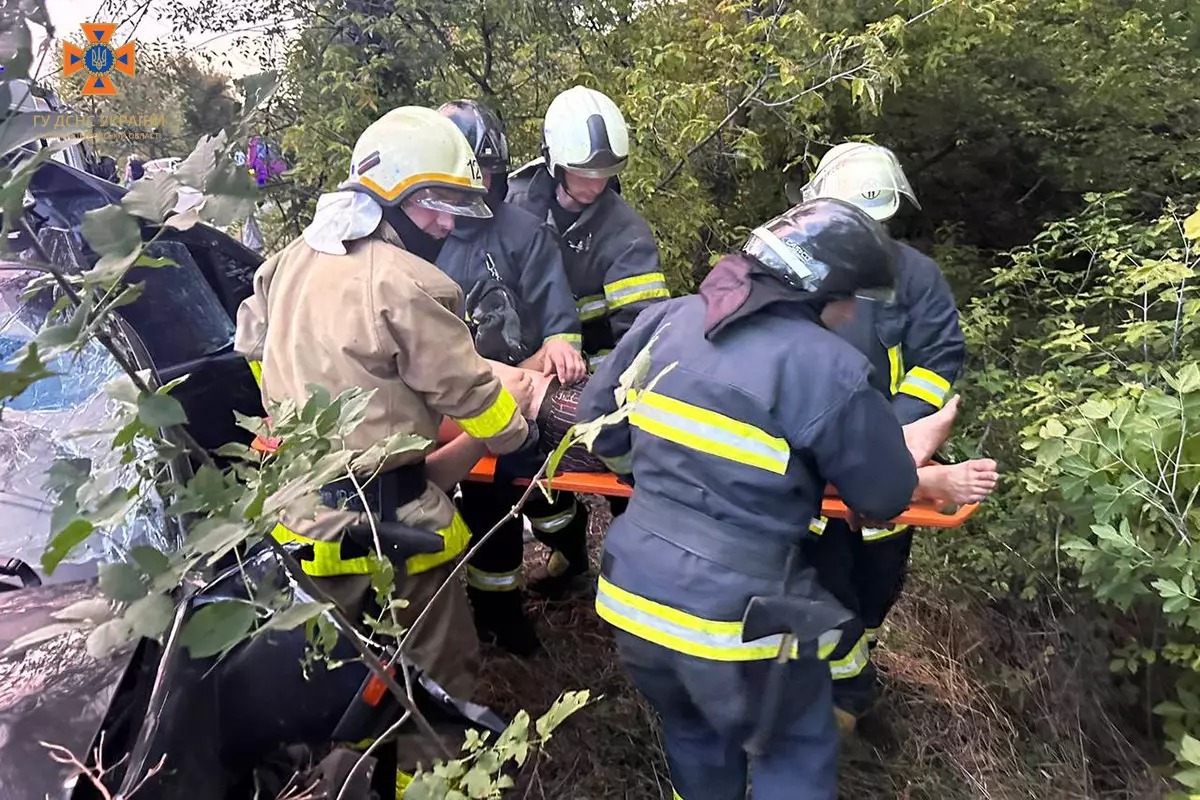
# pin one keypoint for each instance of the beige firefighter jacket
(378, 318)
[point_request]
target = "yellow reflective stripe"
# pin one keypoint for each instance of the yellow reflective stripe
(650, 286)
(593, 306)
(896, 365)
(594, 359)
(686, 633)
(389, 193)
(675, 795)
(554, 522)
(872, 635)
(622, 465)
(926, 385)
(493, 581)
(709, 432)
(456, 537)
(327, 561)
(853, 663)
(403, 779)
(875, 534)
(573, 339)
(493, 420)
(817, 525)
(256, 369)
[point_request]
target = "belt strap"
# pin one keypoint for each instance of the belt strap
(385, 493)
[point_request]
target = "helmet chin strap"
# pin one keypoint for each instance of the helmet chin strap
(562, 185)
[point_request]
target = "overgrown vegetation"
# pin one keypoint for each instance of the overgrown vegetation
(1054, 147)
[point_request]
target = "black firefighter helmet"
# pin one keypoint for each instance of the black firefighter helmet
(483, 130)
(828, 248)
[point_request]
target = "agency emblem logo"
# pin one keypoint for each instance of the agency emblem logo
(99, 59)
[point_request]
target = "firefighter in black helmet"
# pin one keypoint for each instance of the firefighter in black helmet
(718, 617)
(521, 311)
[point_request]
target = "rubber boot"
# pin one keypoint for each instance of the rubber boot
(500, 620)
(565, 571)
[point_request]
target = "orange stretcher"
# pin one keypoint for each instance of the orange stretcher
(605, 483)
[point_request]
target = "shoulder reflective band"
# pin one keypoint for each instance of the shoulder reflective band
(256, 369)
(591, 307)
(493, 581)
(927, 385)
(853, 663)
(651, 286)
(896, 367)
(493, 420)
(327, 561)
(686, 633)
(573, 339)
(709, 432)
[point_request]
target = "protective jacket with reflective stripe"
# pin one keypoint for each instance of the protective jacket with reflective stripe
(382, 319)
(916, 345)
(609, 253)
(522, 252)
(730, 452)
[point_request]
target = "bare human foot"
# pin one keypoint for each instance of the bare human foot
(926, 435)
(969, 482)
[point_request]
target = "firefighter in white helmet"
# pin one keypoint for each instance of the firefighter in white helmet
(611, 259)
(917, 349)
(352, 303)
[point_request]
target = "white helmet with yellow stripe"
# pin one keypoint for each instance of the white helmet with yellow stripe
(414, 154)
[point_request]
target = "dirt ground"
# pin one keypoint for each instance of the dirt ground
(972, 708)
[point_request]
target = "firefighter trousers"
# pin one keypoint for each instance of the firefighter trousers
(560, 525)
(867, 577)
(709, 710)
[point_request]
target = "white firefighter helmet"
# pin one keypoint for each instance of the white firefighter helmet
(867, 175)
(584, 132)
(416, 154)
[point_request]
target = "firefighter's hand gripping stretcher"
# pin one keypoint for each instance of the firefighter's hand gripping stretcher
(947, 494)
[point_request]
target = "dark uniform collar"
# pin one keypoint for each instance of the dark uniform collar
(735, 290)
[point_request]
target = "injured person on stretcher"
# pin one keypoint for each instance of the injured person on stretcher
(552, 405)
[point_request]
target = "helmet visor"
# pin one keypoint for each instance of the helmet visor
(870, 177)
(451, 201)
(886, 296)
(585, 171)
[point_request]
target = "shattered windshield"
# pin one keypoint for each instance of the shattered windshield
(52, 420)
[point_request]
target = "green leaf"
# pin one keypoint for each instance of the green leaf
(122, 582)
(111, 231)
(151, 615)
(93, 609)
(1189, 778)
(1188, 379)
(185, 221)
(1053, 429)
(1189, 748)
(1096, 409)
(1191, 225)
(478, 783)
(29, 370)
(293, 616)
(1167, 588)
(152, 197)
(563, 707)
(150, 560)
(216, 536)
(110, 637)
(73, 535)
(160, 411)
(216, 627)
